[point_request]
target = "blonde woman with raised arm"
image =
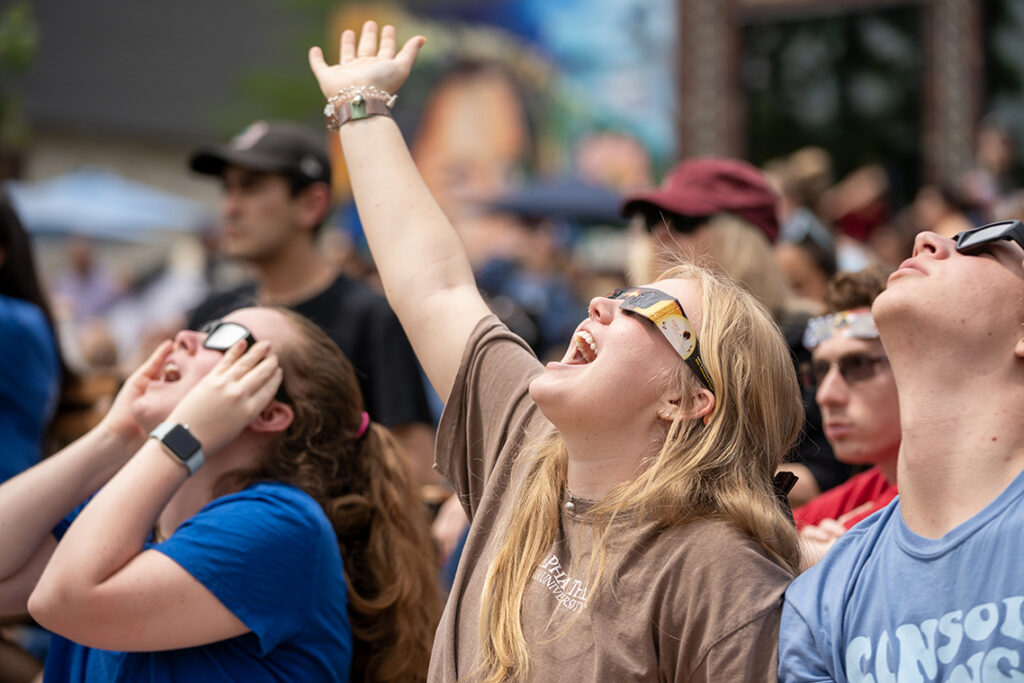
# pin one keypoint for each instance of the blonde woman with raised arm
(624, 520)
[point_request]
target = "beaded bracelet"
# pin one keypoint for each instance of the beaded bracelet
(357, 102)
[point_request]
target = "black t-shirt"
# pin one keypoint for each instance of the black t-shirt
(811, 448)
(362, 324)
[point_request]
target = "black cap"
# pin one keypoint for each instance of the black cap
(285, 148)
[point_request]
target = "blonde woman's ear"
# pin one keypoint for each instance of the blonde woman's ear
(699, 406)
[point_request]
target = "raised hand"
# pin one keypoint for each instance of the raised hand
(371, 62)
(230, 397)
(119, 420)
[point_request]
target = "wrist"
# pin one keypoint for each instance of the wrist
(120, 440)
(357, 102)
(180, 444)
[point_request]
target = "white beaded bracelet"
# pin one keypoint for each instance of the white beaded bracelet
(357, 102)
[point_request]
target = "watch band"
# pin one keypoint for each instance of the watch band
(178, 441)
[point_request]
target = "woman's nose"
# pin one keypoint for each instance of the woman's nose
(601, 309)
(187, 340)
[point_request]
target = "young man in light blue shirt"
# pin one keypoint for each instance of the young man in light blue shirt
(931, 588)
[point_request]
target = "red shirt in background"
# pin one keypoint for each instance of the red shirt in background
(866, 487)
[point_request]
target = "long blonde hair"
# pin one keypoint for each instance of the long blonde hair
(721, 470)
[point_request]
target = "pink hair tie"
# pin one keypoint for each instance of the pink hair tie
(363, 426)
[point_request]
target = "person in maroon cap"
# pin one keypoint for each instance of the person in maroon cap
(722, 210)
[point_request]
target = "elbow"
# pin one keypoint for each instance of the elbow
(42, 605)
(51, 605)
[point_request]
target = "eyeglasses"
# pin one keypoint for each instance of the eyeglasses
(221, 336)
(976, 239)
(668, 316)
(854, 368)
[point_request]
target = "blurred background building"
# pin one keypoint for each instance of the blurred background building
(886, 98)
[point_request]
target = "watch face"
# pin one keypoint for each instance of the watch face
(181, 442)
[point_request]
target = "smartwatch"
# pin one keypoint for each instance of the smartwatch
(179, 442)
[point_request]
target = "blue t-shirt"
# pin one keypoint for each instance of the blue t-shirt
(29, 383)
(270, 556)
(886, 605)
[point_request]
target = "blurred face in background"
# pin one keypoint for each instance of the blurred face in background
(860, 412)
(259, 215)
(807, 280)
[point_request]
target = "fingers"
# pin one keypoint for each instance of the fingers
(860, 509)
(347, 51)
(831, 528)
(152, 366)
(407, 55)
(231, 356)
(368, 40)
(316, 60)
(387, 42)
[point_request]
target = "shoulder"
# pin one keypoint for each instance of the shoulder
(721, 599)
(814, 610)
(841, 565)
(22, 318)
(272, 513)
(707, 546)
(496, 369)
(31, 356)
(710, 567)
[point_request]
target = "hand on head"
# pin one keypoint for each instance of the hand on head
(119, 419)
(231, 396)
(371, 62)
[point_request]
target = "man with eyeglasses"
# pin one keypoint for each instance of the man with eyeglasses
(931, 587)
(856, 391)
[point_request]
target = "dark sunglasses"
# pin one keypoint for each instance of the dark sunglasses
(221, 336)
(856, 367)
(976, 239)
(668, 316)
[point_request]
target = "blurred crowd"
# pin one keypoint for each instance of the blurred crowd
(540, 248)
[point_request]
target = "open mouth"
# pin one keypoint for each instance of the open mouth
(170, 373)
(586, 348)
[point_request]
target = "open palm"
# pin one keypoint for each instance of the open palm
(372, 62)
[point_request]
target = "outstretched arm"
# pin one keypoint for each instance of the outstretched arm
(426, 274)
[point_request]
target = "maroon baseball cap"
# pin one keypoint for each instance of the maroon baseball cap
(704, 186)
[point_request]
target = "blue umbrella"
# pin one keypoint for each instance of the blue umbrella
(101, 204)
(564, 198)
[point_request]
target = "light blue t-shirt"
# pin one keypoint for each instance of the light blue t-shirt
(270, 556)
(886, 605)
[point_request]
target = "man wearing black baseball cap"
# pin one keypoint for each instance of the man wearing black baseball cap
(277, 194)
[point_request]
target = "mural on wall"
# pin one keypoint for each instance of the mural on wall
(538, 87)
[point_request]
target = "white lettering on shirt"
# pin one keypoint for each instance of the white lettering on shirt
(569, 592)
(948, 639)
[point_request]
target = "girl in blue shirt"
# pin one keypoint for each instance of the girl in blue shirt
(296, 551)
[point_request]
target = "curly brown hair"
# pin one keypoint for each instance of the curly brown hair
(847, 291)
(365, 488)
